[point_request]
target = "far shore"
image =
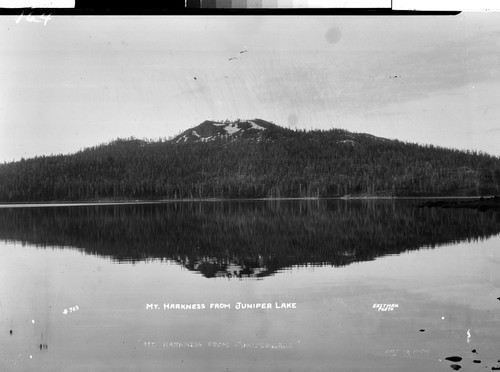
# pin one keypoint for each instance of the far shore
(161, 201)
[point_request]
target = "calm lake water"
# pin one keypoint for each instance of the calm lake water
(325, 285)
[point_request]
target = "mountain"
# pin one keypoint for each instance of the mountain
(251, 159)
(212, 130)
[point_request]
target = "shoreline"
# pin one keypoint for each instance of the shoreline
(213, 200)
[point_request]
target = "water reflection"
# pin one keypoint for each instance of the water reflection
(246, 239)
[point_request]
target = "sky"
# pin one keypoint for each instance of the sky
(74, 82)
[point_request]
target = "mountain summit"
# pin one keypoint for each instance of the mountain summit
(245, 129)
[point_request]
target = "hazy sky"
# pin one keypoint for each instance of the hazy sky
(81, 81)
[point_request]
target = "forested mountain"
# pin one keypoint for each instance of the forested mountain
(250, 159)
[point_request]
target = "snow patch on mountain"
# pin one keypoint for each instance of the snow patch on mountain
(349, 141)
(255, 126)
(232, 129)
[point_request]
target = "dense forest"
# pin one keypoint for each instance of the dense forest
(279, 162)
(246, 238)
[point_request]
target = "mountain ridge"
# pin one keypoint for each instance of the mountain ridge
(254, 129)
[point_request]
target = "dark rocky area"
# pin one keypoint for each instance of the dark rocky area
(481, 204)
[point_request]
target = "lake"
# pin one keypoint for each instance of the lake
(317, 285)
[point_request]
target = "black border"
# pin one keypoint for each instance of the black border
(178, 7)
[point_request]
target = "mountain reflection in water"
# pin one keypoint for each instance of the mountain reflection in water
(246, 238)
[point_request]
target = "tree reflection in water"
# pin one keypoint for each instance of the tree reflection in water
(246, 238)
